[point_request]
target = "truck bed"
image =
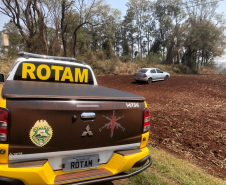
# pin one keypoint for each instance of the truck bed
(49, 90)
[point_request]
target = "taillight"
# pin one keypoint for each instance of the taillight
(3, 124)
(146, 120)
(145, 75)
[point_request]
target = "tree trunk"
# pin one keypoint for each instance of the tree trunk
(74, 43)
(63, 27)
(169, 56)
(132, 50)
(75, 37)
(178, 57)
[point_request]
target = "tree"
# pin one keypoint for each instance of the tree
(15, 39)
(205, 38)
(129, 30)
(174, 39)
(140, 10)
(28, 16)
(53, 30)
(167, 35)
(204, 42)
(67, 18)
(107, 31)
(89, 12)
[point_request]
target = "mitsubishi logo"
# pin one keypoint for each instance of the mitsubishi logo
(112, 124)
(90, 133)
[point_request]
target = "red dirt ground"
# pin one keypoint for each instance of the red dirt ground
(188, 116)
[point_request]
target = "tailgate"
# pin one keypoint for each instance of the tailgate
(55, 129)
(114, 124)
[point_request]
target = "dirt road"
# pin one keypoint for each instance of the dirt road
(188, 115)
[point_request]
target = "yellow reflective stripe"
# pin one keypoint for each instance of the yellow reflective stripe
(4, 157)
(144, 143)
(2, 100)
(145, 104)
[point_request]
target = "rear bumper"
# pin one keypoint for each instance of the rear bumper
(45, 175)
(141, 79)
(120, 176)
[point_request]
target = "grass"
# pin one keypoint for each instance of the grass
(169, 170)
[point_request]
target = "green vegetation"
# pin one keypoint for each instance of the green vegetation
(102, 66)
(169, 170)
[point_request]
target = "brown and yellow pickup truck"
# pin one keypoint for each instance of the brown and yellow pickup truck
(58, 126)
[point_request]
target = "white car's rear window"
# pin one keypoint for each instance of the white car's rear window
(143, 71)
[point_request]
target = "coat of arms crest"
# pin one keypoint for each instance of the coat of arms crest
(41, 133)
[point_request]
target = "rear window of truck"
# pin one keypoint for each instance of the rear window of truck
(53, 72)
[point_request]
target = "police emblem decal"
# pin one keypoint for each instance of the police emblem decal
(112, 124)
(41, 133)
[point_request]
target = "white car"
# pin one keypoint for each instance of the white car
(151, 74)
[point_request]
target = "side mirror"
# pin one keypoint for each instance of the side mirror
(1, 78)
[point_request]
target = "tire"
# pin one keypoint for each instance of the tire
(149, 80)
(166, 77)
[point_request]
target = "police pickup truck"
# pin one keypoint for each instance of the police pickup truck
(58, 126)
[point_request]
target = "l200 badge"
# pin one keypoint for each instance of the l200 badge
(41, 133)
(112, 124)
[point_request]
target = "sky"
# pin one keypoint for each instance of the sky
(121, 5)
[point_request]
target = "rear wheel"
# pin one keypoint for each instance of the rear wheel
(149, 80)
(166, 77)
